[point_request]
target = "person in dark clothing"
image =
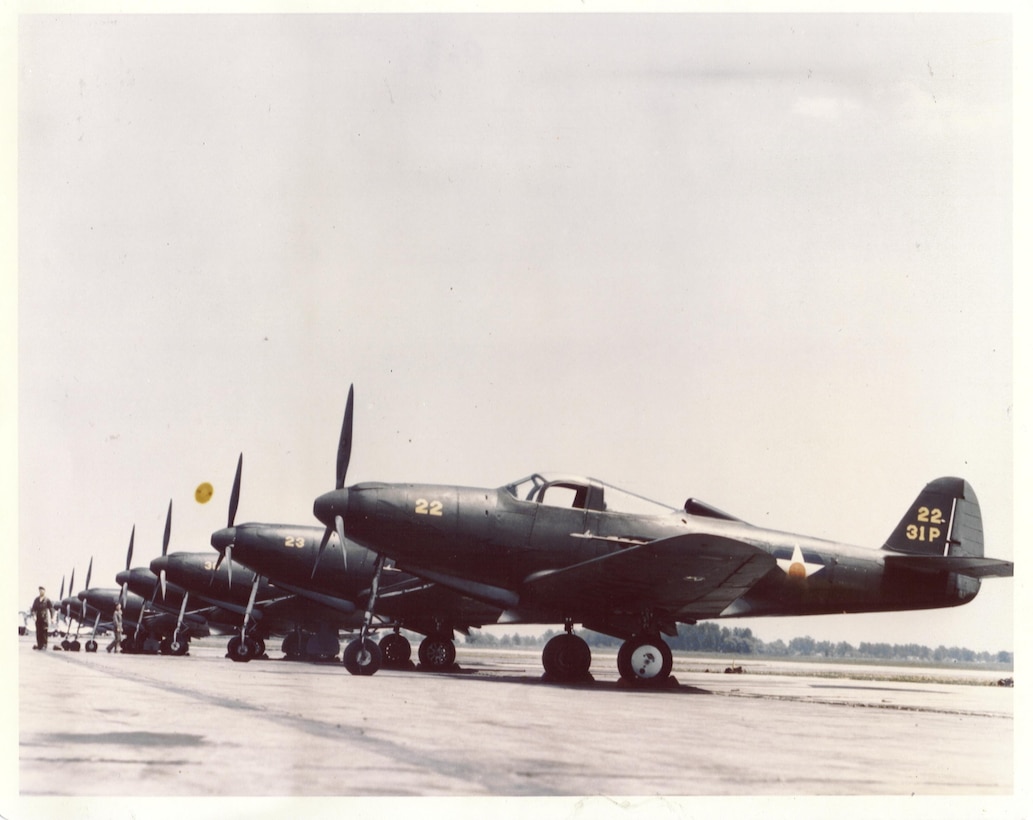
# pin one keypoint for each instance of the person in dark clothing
(116, 623)
(43, 609)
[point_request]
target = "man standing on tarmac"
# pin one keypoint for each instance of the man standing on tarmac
(43, 609)
(116, 622)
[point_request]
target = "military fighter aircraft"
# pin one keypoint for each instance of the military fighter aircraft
(575, 550)
(197, 621)
(146, 631)
(286, 555)
(173, 637)
(255, 609)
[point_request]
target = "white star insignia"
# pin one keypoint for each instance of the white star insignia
(798, 567)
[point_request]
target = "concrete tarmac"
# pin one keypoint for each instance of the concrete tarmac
(201, 725)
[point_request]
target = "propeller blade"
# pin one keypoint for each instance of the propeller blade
(322, 546)
(229, 566)
(339, 521)
(218, 563)
(61, 597)
(71, 583)
(123, 594)
(129, 554)
(168, 530)
(235, 494)
(164, 582)
(89, 569)
(344, 448)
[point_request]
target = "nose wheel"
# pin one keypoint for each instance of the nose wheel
(244, 650)
(362, 656)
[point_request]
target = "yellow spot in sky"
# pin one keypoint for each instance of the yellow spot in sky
(203, 493)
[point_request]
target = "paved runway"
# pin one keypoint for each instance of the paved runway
(99, 724)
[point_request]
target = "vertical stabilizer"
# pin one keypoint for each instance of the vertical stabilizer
(943, 520)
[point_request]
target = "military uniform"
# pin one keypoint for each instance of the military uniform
(43, 609)
(116, 621)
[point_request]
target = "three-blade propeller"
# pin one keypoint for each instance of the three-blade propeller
(344, 454)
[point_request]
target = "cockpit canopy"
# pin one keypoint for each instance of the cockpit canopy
(585, 494)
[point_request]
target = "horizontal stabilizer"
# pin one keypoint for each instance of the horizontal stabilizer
(961, 564)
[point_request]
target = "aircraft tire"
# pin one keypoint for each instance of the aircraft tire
(291, 646)
(362, 657)
(645, 660)
(91, 646)
(65, 644)
(566, 657)
(74, 646)
(178, 647)
(240, 651)
(396, 650)
(437, 653)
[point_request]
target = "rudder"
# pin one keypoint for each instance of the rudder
(943, 520)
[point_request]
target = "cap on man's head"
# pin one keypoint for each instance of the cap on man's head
(41, 589)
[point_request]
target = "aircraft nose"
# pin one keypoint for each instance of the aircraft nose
(329, 505)
(224, 538)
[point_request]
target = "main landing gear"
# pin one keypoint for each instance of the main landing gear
(437, 653)
(395, 651)
(322, 645)
(566, 658)
(645, 660)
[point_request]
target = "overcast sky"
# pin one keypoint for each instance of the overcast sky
(762, 261)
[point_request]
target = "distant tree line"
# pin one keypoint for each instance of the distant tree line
(709, 637)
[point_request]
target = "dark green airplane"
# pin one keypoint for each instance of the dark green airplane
(575, 550)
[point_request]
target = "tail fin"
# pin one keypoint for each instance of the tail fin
(944, 520)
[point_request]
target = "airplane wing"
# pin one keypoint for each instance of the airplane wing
(696, 575)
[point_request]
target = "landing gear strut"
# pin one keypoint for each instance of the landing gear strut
(362, 656)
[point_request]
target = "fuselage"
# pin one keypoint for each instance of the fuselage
(501, 538)
(287, 554)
